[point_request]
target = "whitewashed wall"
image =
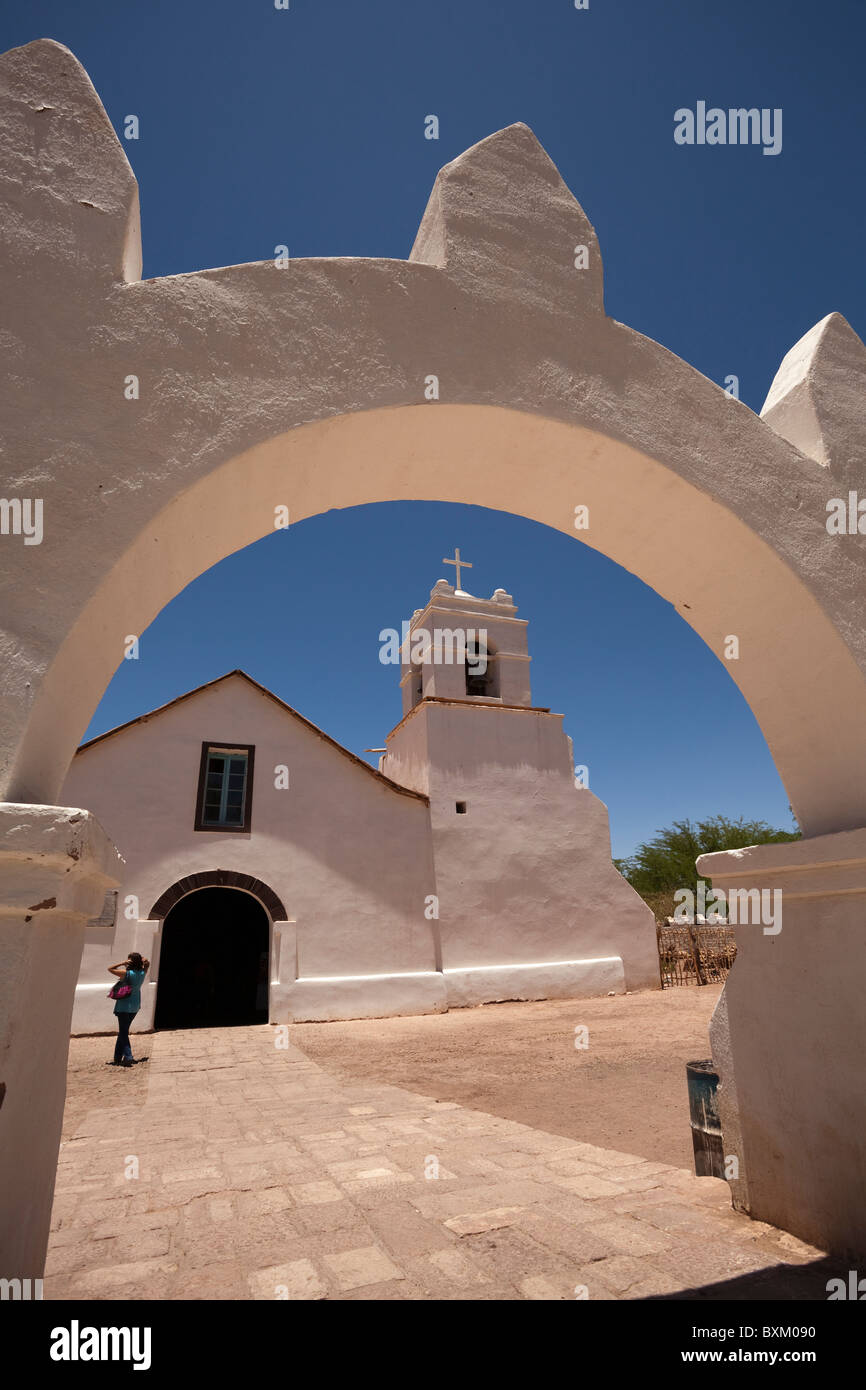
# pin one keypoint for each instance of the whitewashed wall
(349, 856)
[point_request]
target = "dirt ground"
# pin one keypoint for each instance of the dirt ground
(626, 1090)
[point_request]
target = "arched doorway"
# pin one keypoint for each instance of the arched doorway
(213, 961)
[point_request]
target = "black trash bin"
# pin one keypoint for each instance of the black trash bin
(703, 1082)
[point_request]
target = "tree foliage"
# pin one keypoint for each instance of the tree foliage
(667, 862)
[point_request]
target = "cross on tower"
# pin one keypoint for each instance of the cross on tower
(459, 564)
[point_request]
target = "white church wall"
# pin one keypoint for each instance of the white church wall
(485, 984)
(348, 856)
(524, 876)
(407, 760)
(391, 995)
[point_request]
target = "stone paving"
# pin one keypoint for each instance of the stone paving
(262, 1176)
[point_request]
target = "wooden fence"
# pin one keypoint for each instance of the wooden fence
(694, 954)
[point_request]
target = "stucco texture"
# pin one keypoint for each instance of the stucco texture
(304, 387)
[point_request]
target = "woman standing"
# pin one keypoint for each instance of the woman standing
(130, 972)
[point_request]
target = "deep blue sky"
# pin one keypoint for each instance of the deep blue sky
(305, 127)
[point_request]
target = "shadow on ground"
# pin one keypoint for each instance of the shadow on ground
(807, 1283)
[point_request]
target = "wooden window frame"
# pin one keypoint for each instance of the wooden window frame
(214, 746)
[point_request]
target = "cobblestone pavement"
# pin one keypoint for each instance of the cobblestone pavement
(226, 1167)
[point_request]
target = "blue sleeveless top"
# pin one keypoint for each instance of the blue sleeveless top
(131, 1003)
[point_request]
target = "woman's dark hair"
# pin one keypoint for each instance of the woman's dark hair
(136, 961)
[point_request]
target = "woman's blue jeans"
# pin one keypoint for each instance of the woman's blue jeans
(122, 1048)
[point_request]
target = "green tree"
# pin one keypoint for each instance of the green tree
(667, 862)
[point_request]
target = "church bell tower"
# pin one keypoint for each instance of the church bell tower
(522, 886)
(467, 699)
(460, 647)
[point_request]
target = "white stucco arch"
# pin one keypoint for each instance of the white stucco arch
(794, 668)
(307, 386)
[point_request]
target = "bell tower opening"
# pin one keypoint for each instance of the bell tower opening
(417, 683)
(481, 669)
(459, 647)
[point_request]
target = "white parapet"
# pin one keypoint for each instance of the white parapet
(789, 1037)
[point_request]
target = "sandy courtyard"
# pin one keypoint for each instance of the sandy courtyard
(626, 1090)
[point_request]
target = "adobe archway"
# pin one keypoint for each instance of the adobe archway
(219, 878)
(171, 1011)
(213, 967)
(482, 370)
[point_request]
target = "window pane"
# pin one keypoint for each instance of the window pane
(224, 789)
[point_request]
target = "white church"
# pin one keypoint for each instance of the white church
(272, 875)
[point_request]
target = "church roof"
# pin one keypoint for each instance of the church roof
(263, 690)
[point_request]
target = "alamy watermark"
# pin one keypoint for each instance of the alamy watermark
(445, 646)
(846, 518)
(854, 1290)
(77, 1343)
(20, 1290)
(736, 126)
(738, 907)
(22, 516)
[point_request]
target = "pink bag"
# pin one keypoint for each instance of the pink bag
(120, 991)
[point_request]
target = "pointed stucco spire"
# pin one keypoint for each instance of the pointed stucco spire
(501, 213)
(816, 399)
(63, 170)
